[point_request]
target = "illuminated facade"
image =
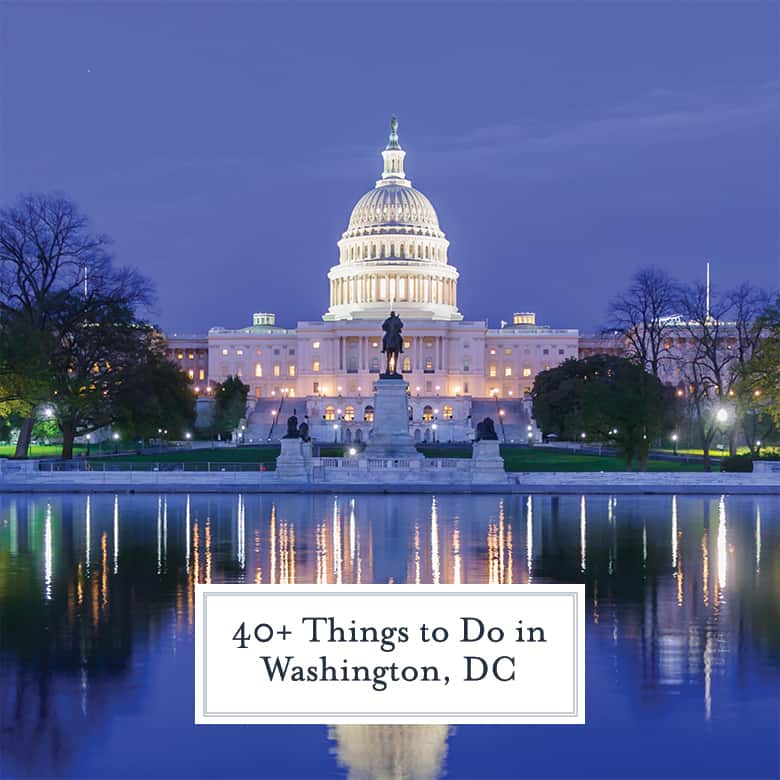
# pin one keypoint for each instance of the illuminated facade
(393, 255)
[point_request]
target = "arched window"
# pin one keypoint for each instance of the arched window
(258, 369)
(368, 414)
(358, 436)
(410, 412)
(403, 252)
(407, 365)
(330, 412)
(447, 412)
(349, 413)
(427, 413)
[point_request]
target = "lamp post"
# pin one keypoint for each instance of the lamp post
(674, 443)
(115, 437)
(89, 439)
(335, 433)
(433, 428)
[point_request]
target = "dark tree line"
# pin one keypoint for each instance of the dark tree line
(71, 334)
(607, 398)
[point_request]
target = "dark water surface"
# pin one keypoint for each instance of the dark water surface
(96, 630)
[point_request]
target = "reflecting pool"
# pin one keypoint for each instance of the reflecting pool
(97, 610)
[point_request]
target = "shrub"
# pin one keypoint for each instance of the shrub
(741, 463)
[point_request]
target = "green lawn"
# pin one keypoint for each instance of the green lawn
(37, 450)
(543, 459)
(516, 458)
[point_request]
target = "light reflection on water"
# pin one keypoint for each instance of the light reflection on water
(97, 610)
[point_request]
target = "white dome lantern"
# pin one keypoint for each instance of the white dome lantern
(393, 253)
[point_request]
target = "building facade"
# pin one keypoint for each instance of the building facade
(392, 256)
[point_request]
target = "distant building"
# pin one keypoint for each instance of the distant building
(392, 256)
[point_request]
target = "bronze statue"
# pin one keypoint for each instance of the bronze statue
(392, 343)
(292, 428)
(486, 430)
(303, 432)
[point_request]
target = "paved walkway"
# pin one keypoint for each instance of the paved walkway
(269, 482)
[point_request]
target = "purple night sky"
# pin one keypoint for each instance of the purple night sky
(222, 146)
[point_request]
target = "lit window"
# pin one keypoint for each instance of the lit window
(407, 365)
(427, 414)
(190, 356)
(277, 369)
(349, 413)
(315, 365)
(291, 369)
(492, 369)
(447, 414)
(526, 372)
(368, 414)
(239, 352)
(492, 351)
(191, 374)
(315, 345)
(180, 355)
(429, 364)
(330, 412)
(201, 374)
(258, 369)
(224, 350)
(407, 344)
(508, 351)
(507, 370)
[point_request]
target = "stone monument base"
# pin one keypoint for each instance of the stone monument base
(486, 461)
(291, 463)
(390, 437)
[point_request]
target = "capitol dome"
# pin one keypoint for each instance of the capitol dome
(392, 208)
(393, 253)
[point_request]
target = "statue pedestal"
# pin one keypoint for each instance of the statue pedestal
(291, 463)
(390, 437)
(486, 461)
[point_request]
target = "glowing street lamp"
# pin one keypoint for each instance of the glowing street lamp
(583, 436)
(89, 440)
(674, 442)
(722, 416)
(335, 433)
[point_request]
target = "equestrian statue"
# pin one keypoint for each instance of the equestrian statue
(392, 343)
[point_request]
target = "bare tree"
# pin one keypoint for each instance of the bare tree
(644, 315)
(56, 277)
(721, 334)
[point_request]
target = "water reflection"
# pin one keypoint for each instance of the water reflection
(97, 606)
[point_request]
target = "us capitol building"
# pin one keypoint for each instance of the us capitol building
(393, 255)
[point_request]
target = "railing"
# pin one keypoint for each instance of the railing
(106, 467)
